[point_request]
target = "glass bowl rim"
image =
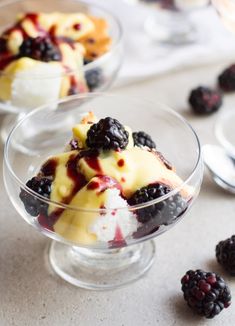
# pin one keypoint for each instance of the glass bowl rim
(88, 66)
(164, 108)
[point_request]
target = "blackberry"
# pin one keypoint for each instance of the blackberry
(33, 205)
(3, 45)
(226, 79)
(225, 254)
(146, 229)
(94, 78)
(204, 100)
(39, 48)
(141, 138)
(164, 212)
(107, 134)
(86, 61)
(206, 293)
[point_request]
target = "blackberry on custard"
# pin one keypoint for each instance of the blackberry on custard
(204, 100)
(225, 254)
(141, 138)
(39, 48)
(107, 134)
(205, 293)
(32, 204)
(164, 212)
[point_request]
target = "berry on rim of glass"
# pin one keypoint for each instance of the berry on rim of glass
(141, 138)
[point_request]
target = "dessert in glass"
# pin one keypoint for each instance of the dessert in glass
(52, 50)
(169, 22)
(99, 185)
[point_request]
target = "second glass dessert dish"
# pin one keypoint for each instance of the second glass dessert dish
(169, 21)
(52, 50)
(99, 185)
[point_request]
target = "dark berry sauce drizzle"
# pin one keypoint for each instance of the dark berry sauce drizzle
(77, 177)
(104, 182)
(91, 159)
(49, 168)
(79, 181)
(121, 162)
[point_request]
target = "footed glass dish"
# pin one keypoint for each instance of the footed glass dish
(112, 245)
(29, 79)
(169, 21)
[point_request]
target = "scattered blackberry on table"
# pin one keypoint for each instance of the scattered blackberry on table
(164, 212)
(141, 138)
(204, 100)
(226, 79)
(225, 254)
(107, 134)
(206, 293)
(33, 205)
(39, 48)
(93, 78)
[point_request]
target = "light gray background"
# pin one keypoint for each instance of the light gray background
(30, 294)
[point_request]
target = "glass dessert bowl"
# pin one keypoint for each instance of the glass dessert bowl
(109, 189)
(50, 51)
(169, 21)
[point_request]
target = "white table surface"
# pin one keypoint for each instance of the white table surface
(30, 293)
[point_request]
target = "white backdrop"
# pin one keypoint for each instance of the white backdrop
(144, 58)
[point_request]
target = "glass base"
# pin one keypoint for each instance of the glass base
(101, 270)
(8, 124)
(170, 27)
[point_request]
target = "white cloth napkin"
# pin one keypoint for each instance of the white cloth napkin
(144, 58)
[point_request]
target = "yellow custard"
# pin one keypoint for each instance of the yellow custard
(89, 180)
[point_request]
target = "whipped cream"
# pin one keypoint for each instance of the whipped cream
(106, 225)
(30, 89)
